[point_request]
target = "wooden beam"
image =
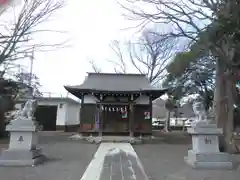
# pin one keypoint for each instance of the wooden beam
(133, 97)
(117, 98)
(100, 97)
(150, 104)
(101, 119)
(131, 119)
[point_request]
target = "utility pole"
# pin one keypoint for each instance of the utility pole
(31, 67)
(31, 71)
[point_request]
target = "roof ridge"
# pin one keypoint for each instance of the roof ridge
(116, 74)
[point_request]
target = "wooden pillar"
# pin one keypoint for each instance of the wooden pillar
(131, 119)
(101, 117)
(81, 112)
(150, 107)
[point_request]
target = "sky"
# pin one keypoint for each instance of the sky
(90, 26)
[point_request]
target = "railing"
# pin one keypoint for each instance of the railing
(59, 95)
(52, 94)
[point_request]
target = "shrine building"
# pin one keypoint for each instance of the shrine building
(116, 103)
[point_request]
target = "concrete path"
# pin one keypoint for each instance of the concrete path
(115, 161)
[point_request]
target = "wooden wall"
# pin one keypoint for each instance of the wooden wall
(141, 124)
(87, 121)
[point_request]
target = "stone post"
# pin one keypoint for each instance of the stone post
(23, 146)
(205, 148)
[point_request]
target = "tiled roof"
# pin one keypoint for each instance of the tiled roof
(114, 82)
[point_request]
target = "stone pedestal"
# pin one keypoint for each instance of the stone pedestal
(205, 149)
(23, 150)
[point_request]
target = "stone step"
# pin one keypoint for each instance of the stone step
(113, 139)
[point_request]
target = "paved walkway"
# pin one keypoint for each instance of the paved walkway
(115, 161)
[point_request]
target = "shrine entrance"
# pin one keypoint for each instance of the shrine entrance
(115, 118)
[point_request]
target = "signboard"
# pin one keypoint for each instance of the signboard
(124, 114)
(147, 115)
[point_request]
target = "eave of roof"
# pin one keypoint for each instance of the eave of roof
(155, 93)
(115, 84)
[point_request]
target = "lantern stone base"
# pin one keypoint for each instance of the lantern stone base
(205, 148)
(23, 146)
(21, 157)
(214, 160)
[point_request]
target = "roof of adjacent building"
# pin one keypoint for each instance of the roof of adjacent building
(159, 110)
(187, 110)
(114, 82)
(59, 99)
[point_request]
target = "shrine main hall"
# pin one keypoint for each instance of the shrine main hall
(114, 103)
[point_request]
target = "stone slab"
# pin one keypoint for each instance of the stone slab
(210, 165)
(204, 131)
(210, 157)
(21, 158)
(116, 139)
(20, 154)
(216, 160)
(205, 125)
(21, 162)
(21, 124)
(22, 129)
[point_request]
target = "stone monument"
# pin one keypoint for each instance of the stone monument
(205, 152)
(23, 150)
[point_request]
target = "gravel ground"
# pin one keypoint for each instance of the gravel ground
(165, 162)
(68, 160)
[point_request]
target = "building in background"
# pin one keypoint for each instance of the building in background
(55, 113)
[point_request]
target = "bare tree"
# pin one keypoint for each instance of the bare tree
(149, 55)
(94, 66)
(17, 35)
(17, 41)
(211, 26)
(188, 18)
(119, 65)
